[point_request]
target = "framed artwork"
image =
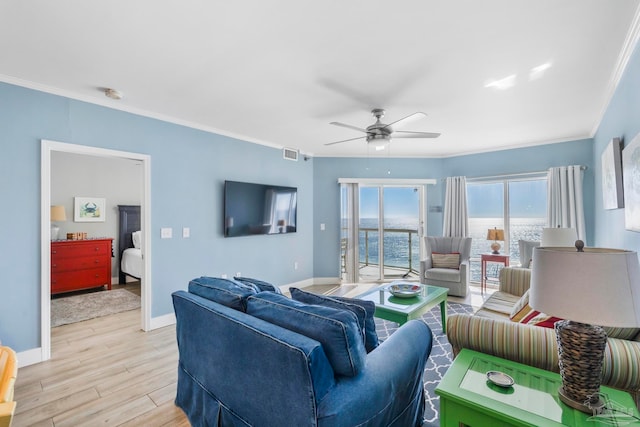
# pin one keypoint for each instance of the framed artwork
(89, 209)
(611, 159)
(631, 175)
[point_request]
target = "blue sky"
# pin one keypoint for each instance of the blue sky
(399, 202)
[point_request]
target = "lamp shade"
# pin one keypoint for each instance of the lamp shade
(58, 213)
(598, 286)
(559, 237)
(495, 234)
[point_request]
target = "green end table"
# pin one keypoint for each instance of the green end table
(466, 398)
(401, 310)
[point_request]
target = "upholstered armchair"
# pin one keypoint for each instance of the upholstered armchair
(8, 373)
(441, 267)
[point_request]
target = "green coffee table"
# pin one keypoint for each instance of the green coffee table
(401, 310)
(466, 398)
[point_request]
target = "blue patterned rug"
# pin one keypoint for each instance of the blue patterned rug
(439, 360)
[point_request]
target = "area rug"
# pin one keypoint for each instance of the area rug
(439, 360)
(77, 308)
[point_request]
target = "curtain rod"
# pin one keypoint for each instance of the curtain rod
(512, 175)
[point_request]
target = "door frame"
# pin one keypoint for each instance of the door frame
(47, 147)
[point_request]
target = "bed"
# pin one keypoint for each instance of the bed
(129, 242)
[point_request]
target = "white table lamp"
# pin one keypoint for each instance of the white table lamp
(559, 237)
(57, 214)
(595, 286)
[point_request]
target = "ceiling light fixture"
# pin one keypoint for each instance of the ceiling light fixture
(112, 93)
(502, 84)
(538, 72)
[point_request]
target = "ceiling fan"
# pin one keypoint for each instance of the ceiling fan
(379, 133)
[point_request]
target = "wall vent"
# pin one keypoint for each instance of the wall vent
(290, 154)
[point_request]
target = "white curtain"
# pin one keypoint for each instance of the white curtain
(565, 206)
(456, 215)
(349, 232)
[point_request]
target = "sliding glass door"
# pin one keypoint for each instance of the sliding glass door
(390, 224)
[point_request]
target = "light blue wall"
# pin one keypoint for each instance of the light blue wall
(326, 205)
(533, 159)
(188, 169)
(621, 119)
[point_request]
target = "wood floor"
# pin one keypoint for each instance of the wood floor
(106, 371)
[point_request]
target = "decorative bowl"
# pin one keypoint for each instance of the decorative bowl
(500, 378)
(404, 290)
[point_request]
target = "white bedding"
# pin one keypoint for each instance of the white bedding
(131, 262)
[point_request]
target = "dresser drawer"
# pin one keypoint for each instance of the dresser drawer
(81, 263)
(80, 248)
(79, 279)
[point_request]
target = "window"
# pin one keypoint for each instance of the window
(516, 204)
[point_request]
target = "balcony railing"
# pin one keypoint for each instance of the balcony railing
(412, 267)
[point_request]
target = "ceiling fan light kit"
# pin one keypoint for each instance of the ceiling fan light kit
(380, 134)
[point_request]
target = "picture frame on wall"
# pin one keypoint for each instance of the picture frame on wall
(611, 159)
(89, 209)
(631, 178)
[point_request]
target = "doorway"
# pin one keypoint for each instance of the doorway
(47, 148)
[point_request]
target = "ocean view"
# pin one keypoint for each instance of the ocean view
(396, 243)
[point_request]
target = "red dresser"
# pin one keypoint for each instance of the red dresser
(80, 264)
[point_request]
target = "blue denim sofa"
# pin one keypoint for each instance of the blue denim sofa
(238, 369)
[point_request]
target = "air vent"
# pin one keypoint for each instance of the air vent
(290, 154)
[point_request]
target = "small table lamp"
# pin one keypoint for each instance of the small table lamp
(587, 287)
(57, 214)
(495, 234)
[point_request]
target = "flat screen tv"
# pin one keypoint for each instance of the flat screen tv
(252, 209)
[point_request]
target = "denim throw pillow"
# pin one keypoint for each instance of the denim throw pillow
(263, 286)
(363, 310)
(223, 291)
(337, 330)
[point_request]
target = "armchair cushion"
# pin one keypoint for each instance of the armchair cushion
(223, 291)
(451, 260)
(337, 330)
(364, 315)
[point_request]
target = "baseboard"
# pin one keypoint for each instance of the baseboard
(162, 321)
(29, 357)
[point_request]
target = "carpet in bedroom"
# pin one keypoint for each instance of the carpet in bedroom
(76, 308)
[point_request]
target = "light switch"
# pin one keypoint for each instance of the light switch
(186, 232)
(322, 227)
(166, 233)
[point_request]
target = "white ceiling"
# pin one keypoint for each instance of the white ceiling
(277, 72)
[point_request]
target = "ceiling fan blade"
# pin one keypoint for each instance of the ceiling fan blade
(344, 125)
(345, 140)
(411, 117)
(408, 134)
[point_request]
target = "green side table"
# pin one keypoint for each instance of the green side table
(467, 399)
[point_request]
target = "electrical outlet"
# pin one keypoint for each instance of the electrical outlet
(322, 227)
(223, 276)
(238, 274)
(186, 232)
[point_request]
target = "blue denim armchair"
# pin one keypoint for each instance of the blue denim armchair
(239, 370)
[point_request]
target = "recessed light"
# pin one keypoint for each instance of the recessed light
(502, 84)
(538, 72)
(112, 93)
